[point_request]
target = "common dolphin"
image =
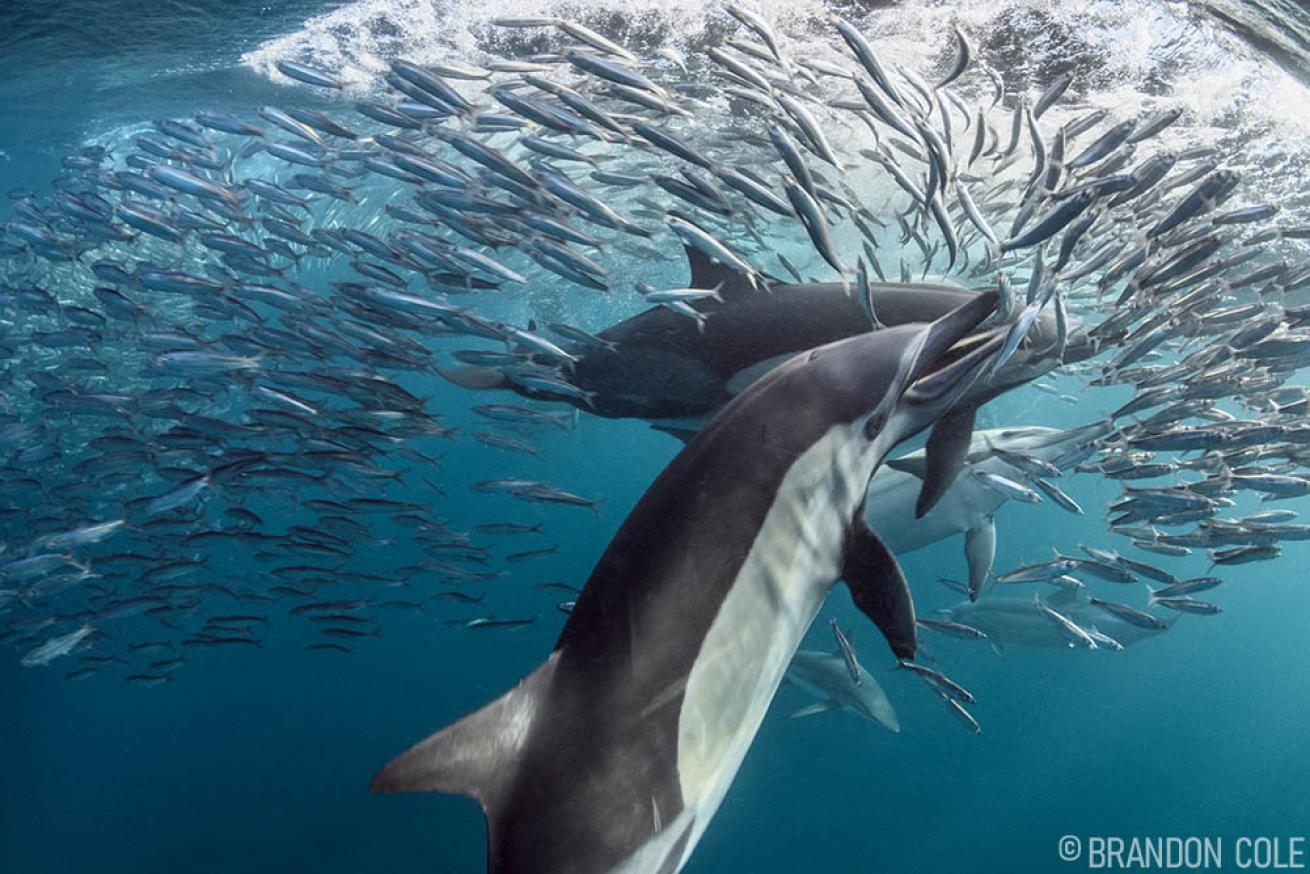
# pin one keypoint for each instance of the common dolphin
(968, 506)
(665, 368)
(1015, 621)
(826, 676)
(614, 754)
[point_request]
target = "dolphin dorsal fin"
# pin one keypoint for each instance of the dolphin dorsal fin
(708, 273)
(477, 756)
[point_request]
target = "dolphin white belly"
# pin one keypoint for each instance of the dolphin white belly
(765, 615)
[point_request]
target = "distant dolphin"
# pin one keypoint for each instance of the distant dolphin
(614, 754)
(968, 506)
(664, 368)
(827, 677)
(1014, 621)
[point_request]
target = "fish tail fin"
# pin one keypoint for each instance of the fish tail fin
(477, 756)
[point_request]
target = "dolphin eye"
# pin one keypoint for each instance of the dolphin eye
(874, 425)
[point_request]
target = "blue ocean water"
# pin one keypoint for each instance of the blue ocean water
(258, 760)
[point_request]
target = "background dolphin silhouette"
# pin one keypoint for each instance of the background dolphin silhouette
(664, 368)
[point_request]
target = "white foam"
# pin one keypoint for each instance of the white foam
(360, 39)
(1201, 66)
(1128, 57)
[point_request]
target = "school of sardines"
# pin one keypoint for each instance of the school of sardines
(187, 382)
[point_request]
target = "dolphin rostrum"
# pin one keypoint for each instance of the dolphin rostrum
(614, 754)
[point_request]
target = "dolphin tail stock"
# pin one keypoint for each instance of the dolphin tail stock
(477, 756)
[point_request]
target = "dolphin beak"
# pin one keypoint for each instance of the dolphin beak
(950, 330)
(938, 390)
(932, 350)
(941, 388)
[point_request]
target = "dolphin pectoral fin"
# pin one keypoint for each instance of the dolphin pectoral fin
(816, 708)
(475, 377)
(708, 273)
(477, 756)
(979, 550)
(915, 464)
(945, 453)
(878, 587)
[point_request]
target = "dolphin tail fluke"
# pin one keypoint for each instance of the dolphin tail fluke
(878, 587)
(477, 756)
(474, 377)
